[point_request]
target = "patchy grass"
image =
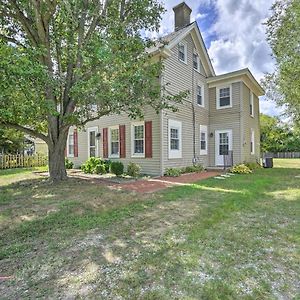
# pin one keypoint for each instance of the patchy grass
(287, 163)
(216, 239)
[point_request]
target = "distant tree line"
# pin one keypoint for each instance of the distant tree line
(277, 136)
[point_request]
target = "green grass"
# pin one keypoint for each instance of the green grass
(235, 238)
(287, 163)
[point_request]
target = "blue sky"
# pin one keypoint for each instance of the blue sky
(234, 35)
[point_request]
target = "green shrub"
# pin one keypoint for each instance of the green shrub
(107, 164)
(133, 169)
(193, 169)
(68, 164)
(253, 165)
(117, 168)
(173, 172)
(240, 169)
(92, 165)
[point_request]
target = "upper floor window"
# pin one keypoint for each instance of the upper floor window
(252, 142)
(71, 145)
(175, 139)
(182, 52)
(138, 139)
(196, 62)
(203, 139)
(251, 104)
(114, 141)
(224, 97)
(200, 97)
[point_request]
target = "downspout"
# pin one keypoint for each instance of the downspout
(162, 168)
(193, 119)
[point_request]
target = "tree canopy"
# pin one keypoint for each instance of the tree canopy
(283, 32)
(69, 62)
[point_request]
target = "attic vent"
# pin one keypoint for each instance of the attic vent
(182, 15)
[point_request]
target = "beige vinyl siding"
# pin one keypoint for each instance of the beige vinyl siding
(182, 77)
(226, 118)
(249, 123)
(149, 165)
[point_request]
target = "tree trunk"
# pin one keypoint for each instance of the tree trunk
(57, 168)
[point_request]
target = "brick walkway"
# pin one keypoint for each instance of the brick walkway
(161, 183)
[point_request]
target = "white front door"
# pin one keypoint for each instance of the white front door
(223, 144)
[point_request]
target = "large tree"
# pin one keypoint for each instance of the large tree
(283, 32)
(67, 62)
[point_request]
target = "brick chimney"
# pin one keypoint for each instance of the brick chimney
(182, 15)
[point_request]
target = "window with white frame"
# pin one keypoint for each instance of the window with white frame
(182, 52)
(252, 142)
(196, 62)
(71, 145)
(224, 97)
(200, 95)
(251, 105)
(114, 141)
(92, 142)
(203, 140)
(175, 137)
(138, 139)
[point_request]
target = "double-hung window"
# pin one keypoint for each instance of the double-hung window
(182, 52)
(224, 97)
(203, 140)
(252, 142)
(71, 145)
(200, 95)
(92, 142)
(114, 142)
(251, 105)
(175, 136)
(196, 62)
(138, 139)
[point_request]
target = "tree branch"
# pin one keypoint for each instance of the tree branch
(104, 113)
(12, 40)
(26, 130)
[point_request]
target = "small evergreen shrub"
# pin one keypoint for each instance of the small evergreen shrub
(193, 169)
(240, 169)
(117, 168)
(173, 172)
(133, 169)
(107, 164)
(92, 166)
(253, 165)
(68, 164)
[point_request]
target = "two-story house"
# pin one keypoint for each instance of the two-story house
(217, 124)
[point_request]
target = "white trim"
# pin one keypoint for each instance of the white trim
(203, 128)
(217, 141)
(252, 141)
(202, 94)
(109, 142)
(252, 104)
(91, 129)
(139, 155)
(218, 88)
(68, 145)
(176, 125)
(184, 44)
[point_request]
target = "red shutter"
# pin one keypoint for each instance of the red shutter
(105, 143)
(75, 143)
(148, 139)
(122, 137)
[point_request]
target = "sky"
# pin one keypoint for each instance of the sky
(234, 35)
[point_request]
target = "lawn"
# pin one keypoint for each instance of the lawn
(236, 238)
(287, 163)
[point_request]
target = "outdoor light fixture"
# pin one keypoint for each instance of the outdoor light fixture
(211, 134)
(98, 135)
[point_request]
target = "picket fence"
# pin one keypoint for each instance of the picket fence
(282, 154)
(22, 161)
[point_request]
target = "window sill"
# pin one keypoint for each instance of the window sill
(183, 61)
(70, 155)
(196, 70)
(203, 153)
(202, 106)
(224, 107)
(138, 155)
(114, 156)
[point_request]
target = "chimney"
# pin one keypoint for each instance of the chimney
(182, 15)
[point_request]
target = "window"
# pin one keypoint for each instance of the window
(138, 139)
(203, 140)
(252, 142)
(200, 95)
(224, 97)
(175, 139)
(114, 142)
(182, 52)
(71, 145)
(92, 142)
(196, 62)
(251, 105)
